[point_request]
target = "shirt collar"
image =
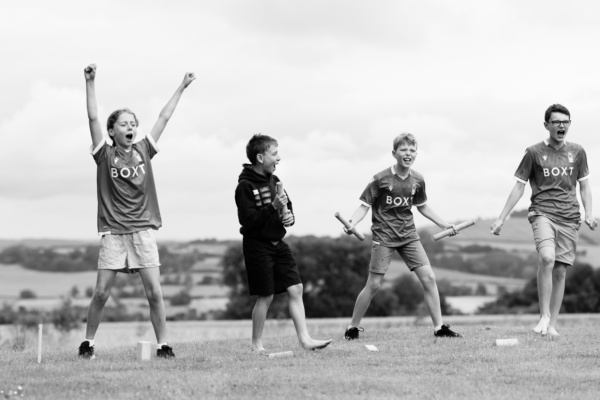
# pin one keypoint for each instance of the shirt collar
(393, 169)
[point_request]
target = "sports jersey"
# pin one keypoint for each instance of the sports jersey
(553, 176)
(127, 200)
(391, 199)
(253, 197)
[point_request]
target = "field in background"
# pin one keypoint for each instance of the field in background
(410, 364)
(50, 288)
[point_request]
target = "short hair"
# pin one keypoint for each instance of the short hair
(259, 144)
(556, 108)
(404, 138)
(112, 118)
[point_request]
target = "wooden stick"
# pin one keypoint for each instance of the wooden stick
(40, 329)
(459, 227)
(348, 226)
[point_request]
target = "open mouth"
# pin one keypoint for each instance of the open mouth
(129, 136)
(407, 160)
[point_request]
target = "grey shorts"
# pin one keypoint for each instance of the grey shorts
(129, 251)
(412, 253)
(563, 237)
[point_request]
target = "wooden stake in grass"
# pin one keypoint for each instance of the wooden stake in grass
(40, 328)
(507, 342)
(144, 351)
(282, 354)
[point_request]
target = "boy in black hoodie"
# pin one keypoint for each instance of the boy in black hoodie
(270, 264)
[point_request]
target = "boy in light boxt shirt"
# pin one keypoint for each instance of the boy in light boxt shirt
(128, 211)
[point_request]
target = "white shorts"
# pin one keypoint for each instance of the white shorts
(128, 252)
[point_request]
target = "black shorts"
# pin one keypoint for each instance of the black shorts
(271, 268)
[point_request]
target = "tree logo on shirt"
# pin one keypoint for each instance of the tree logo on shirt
(391, 187)
(570, 157)
(414, 189)
(544, 157)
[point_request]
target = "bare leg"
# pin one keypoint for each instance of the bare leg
(158, 316)
(559, 274)
(101, 294)
(365, 296)
(296, 306)
(259, 316)
(431, 293)
(544, 282)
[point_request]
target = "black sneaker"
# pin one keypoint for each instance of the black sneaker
(165, 352)
(446, 332)
(352, 333)
(85, 350)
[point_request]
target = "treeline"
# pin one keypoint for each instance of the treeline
(86, 259)
(333, 272)
(582, 295)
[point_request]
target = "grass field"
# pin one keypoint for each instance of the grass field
(411, 364)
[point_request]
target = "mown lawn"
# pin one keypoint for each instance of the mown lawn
(410, 364)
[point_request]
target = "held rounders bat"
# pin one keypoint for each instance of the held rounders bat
(284, 210)
(459, 227)
(349, 226)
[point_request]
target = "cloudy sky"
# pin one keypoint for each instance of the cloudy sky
(333, 81)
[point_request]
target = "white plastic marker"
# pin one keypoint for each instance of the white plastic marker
(40, 329)
(282, 354)
(348, 226)
(459, 227)
(284, 210)
(370, 347)
(144, 351)
(507, 342)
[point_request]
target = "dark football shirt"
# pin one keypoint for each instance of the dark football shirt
(127, 200)
(553, 176)
(391, 199)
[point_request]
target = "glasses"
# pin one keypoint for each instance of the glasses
(557, 123)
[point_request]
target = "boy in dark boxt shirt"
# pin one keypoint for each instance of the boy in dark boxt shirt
(270, 264)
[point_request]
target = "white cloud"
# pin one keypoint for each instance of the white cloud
(333, 81)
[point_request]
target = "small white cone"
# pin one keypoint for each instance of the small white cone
(282, 354)
(144, 351)
(370, 347)
(507, 342)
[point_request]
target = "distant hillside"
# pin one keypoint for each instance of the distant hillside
(515, 230)
(44, 243)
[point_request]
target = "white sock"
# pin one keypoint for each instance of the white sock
(91, 342)
(160, 345)
(437, 328)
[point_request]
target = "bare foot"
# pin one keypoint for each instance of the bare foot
(542, 326)
(314, 344)
(258, 349)
(552, 332)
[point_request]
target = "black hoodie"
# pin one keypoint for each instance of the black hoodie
(253, 197)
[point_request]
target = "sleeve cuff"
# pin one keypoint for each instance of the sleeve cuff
(152, 143)
(93, 150)
(364, 203)
(520, 180)
(584, 178)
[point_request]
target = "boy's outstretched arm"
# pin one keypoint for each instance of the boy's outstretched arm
(169, 108)
(513, 198)
(92, 105)
(358, 216)
(428, 213)
(586, 198)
